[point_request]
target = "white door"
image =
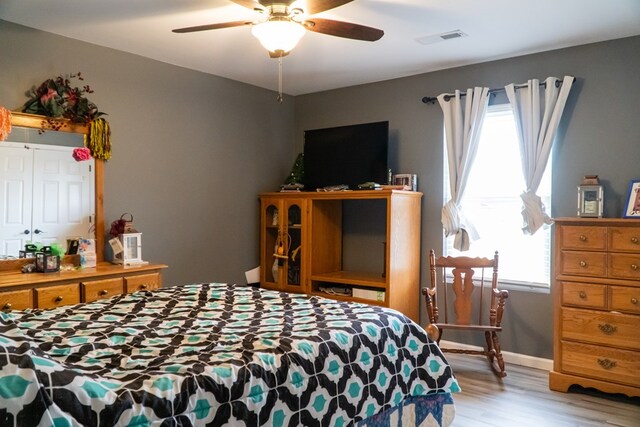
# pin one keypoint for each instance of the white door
(45, 196)
(62, 196)
(16, 178)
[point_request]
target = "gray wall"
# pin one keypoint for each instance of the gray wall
(191, 151)
(599, 134)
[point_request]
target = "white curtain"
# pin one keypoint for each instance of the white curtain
(537, 124)
(462, 123)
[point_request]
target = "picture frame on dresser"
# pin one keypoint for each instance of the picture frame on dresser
(632, 207)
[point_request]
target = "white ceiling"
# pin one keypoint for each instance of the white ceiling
(495, 28)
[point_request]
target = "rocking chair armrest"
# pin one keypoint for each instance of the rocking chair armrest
(501, 294)
(429, 292)
(502, 297)
(432, 310)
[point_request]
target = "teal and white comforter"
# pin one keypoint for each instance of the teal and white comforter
(213, 354)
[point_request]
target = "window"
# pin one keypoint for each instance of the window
(492, 202)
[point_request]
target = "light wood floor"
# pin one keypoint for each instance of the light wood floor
(523, 399)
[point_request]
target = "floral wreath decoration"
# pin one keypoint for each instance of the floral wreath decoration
(58, 100)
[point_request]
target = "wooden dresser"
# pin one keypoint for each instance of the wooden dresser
(597, 305)
(48, 290)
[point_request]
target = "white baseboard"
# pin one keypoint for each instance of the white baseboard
(515, 358)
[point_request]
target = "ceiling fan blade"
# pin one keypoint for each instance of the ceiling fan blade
(343, 29)
(211, 26)
(312, 7)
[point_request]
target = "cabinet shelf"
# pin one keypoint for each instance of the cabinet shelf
(355, 278)
(348, 298)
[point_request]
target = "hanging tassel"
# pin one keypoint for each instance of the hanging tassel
(99, 139)
(5, 123)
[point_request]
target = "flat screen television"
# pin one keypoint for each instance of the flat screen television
(346, 155)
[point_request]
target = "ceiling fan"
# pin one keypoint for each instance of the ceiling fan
(283, 22)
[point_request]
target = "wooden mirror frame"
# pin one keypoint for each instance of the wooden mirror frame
(43, 122)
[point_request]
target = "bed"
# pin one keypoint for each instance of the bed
(217, 354)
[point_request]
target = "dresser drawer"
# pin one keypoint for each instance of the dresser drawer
(592, 264)
(584, 237)
(56, 296)
(142, 282)
(624, 266)
(98, 289)
(584, 295)
(613, 365)
(623, 298)
(16, 300)
(601, 327)
(624, 239)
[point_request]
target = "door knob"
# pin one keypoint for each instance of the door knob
(38, 231)
(26, 232)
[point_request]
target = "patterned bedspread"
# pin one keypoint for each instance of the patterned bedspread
(212, 354)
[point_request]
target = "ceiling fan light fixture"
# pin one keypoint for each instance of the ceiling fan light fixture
(278, 35)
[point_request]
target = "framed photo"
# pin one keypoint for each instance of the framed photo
(632, 208)
(408, 180)
(590, 201)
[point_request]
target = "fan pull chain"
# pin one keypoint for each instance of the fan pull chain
(280, 97)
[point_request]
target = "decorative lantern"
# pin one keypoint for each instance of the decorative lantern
(29, 251)
(46, 262)
(131, 253)
(590, 197)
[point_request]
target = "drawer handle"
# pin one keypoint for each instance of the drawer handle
(583, 238)
(582, 295)
(634, 300)
(58, 298)
(583, 263)
(7, 307)
(607, 364)
(607, 329)
(634, 267)
(103, 292)
(634, 239)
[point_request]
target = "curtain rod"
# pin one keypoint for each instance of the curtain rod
(433, 99)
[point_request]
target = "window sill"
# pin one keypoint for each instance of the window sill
(536, 288)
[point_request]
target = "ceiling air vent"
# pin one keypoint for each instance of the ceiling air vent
(437, 38)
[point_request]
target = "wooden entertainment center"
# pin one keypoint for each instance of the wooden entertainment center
(302, 246)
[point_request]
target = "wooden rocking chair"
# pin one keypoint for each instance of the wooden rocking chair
(469, 299)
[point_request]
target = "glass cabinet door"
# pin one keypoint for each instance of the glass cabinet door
(282, 241)
(294, 244)
(271, 240)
